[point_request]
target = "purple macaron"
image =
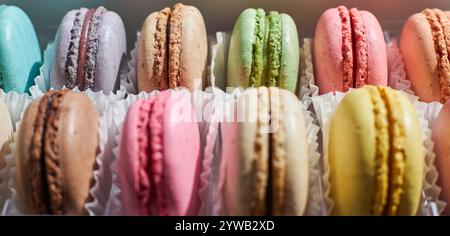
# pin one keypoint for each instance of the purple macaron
(91, 48)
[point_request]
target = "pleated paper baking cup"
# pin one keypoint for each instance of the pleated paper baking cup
(308, 87)
(5, 177)
(16, 104)
(215, 105)
(102, 175)
(129, 81)
(219, 59)
(325, 106)
(396, 69)
(99, 192)
(42, 83)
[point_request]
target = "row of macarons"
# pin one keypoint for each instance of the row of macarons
(172, 50)
(260, 152)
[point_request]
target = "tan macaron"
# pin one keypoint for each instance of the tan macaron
(172, 50)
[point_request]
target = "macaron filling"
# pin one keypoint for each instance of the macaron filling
(144, 183)
(360, 49)
(269, 180)
(382, 151)
(46, 177)
(176, 28)
(81, 58)
(397, 151)
(260, 166)
(440, 30)
(390, 153)
(278, 163)
(347, 48)
(160, 49)
(355, 55)
(150, 130)
(274, 48)
(257, 67)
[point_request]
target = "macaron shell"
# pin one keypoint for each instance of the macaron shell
(22, 157)
(79, 145)
(182, 160)
(440, 132)
(238, 149)
(415, 158)
(328, 56)
(6, 135)
(20, 54)
(78, 142)
(194, 49)
(145, 59)
(240, 51)
(111, 53)
(421, 63)
(296, 149)
(129, 161)
(290, 54)
(377, 59)
(62, 41)
(351, 155)
(328, 53)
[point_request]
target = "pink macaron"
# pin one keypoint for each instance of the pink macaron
(349, 50)
(160, 157)
(441, 139)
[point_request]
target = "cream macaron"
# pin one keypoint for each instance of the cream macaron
(265, 154)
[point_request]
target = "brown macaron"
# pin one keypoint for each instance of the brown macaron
(58, 145)
(172, 50)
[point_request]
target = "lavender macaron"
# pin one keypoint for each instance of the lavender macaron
(90, 50)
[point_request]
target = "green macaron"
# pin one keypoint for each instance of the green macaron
(264, 51)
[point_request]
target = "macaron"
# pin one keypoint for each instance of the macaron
(375, 154)
(58, 143)
(264, 51)
(425, 47)
(440, 133)
(6, 136)
(265, 155)
(349, 50)
(90, 49)
(172, 50)
(20, 54)
(160, 157)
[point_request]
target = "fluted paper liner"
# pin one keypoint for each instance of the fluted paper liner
(99, 191)
(396, 69)
(129, 82)
(308, 87)
(16, 105)
(219, 60)
(325, 105)
(42, 83)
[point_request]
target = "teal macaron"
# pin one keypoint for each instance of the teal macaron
(264, 51)
(20, 55)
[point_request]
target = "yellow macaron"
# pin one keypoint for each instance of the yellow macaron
(375, 154)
